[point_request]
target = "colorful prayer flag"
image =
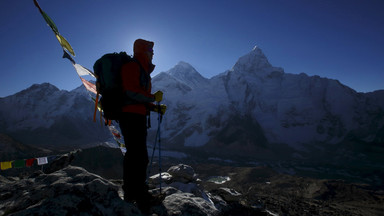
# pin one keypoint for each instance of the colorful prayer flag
(6, 165)
(18, 163)
(98, 104)
(63, 42)
(123, 150)
(49, 21)
(30, 162)
(82, 71)
(88, 85)
(114, 132)
(67, 56)
(42, 160)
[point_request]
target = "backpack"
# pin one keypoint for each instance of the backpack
(109, 83)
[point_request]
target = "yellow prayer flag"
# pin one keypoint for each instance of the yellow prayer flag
(6, 165)
(64, 43)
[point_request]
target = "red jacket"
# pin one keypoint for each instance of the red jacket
(136, 79)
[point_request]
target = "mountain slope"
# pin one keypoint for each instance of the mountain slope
(44, 116)
(284, 108)
(11, 149)
(252, 109)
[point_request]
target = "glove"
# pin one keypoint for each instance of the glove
(158, 96)
(160, 109)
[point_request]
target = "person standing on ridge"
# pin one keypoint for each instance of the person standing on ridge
(136, 82)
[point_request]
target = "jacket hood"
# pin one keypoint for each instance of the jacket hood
(140, 49)
(142, 46)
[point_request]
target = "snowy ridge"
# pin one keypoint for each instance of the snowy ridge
(44, 116)
(292, 109)
(44, 103)
(242, 110)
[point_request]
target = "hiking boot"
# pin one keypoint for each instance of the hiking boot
(147, 200)
(128, 198)
(144, 206)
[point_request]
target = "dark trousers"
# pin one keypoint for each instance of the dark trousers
(134, 129)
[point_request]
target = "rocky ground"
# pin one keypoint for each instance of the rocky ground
(281, 194)
(66, 188)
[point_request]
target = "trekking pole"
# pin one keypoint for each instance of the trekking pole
(153, 154)
(160, 118)
(157, 139)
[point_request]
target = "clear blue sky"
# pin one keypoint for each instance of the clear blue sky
(338, 39)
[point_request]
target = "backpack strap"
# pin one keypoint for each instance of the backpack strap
(144, 77)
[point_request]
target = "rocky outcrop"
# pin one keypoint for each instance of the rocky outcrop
(70, 191)
(185, 195)
(215, 190)
(75, 191)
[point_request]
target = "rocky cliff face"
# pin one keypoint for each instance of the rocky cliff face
(70, 191)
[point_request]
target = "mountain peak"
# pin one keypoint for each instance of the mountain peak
(39, 89)
(187, 74)
(181, 69)
(252, 61)
(43, 86)
(258, 50)
(184, 64)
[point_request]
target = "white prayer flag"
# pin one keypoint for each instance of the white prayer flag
(82, 71)
(123, 150)
(42, 160)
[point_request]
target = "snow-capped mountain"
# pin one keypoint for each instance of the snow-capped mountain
(44, 116)
(255, 104)
(185, 73)
(249, 108)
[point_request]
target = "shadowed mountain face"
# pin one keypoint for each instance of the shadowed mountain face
(11, 149)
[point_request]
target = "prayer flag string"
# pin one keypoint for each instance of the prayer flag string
(27, 162)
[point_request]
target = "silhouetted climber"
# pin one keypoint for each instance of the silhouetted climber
(136, 82)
